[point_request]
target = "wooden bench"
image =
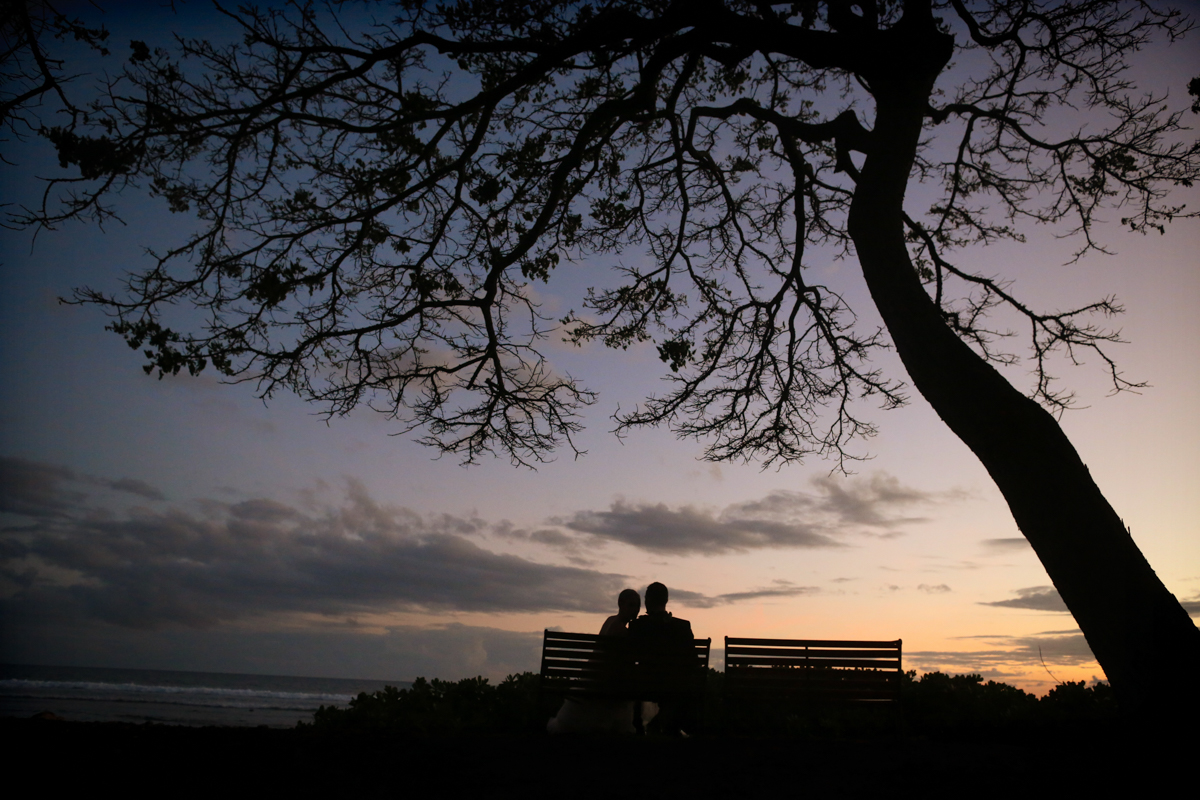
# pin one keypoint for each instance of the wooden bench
(779, 670)
(591, 665)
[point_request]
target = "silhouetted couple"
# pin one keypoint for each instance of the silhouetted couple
(661, 650)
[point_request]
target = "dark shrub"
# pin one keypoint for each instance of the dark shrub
(440, 707)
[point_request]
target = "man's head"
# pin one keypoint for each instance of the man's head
(656, 598)
(628, 604)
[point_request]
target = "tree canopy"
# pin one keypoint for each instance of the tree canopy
(376, 204)
(28, 71)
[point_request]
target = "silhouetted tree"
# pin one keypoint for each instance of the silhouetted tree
(27, 71)
(374, 205)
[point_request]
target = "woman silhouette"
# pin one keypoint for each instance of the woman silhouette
(594, 715)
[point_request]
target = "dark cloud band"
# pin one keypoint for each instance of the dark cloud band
(143, 568)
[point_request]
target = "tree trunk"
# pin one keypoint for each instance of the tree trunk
(1135, 627)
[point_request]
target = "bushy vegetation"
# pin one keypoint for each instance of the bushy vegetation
(442, 707)
(938, 700)
(934, 701)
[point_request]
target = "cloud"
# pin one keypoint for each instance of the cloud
(782, 519)
(941, 588)
(780, 589)
(1065, 649)
(556, 538)
(873, 501)
(133, 486)
(143, 568)
(36, 490)
(1006, 545)
(1054, 648)
(33, 489)
(463, 651)
(1035, 598)
(689, 531)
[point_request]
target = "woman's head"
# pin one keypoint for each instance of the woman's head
(629, 603)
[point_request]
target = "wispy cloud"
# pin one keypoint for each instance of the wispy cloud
(1052, 648)
(782, 519)
(779, 589)
(1011, 544)
(1034, 598)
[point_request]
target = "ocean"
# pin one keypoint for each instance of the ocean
(94, 694)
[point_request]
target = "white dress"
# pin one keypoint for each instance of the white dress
(591, 715)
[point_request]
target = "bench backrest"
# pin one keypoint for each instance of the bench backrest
(837, 669)
(589, 663)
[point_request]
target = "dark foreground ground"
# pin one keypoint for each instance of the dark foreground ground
(167, 760)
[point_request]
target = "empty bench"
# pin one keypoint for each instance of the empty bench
(585, 665)
(781, 670)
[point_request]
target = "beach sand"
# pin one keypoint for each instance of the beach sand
(168, 759)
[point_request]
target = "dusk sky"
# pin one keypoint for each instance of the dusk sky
(185, 524)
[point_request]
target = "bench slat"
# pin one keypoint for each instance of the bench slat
(565, 636)
(825, 663)
(800, 652)
(812, 643)
(841, 677)
(800, 685)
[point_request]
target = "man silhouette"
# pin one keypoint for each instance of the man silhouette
(663, 646)
(657, 624)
